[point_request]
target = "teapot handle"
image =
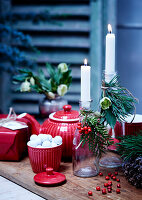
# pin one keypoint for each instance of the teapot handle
(67, 108)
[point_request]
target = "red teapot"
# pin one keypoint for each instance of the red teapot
(62, 123)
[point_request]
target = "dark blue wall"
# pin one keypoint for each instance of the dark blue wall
(129, 46)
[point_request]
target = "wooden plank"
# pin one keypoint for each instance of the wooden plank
(43, 2)
(33, 109)
(74, 88)
(60, 41)
(75, 187)
(69, 57)
(36, 97)
(74, 10)
(68, 26)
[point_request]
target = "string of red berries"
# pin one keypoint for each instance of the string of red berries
(108, 185)
(85, 129)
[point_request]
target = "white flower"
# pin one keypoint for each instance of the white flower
(32, 81)
(63, 67)
(50, 95)
(62, 89)
(105, 103)
(25, 86)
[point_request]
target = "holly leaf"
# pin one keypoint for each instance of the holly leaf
(110, 118)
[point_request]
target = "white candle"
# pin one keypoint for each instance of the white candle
(85, 82)
(110, 52)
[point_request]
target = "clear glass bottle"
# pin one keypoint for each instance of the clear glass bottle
(85, 163)
(110, 159)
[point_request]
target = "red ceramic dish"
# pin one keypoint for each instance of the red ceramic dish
(64, 124)
(42, 158)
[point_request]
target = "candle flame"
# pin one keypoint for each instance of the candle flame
(109, 28)
(85, 61)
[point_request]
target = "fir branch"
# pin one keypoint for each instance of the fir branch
(130, 146)
(98, 138)
(122, 102)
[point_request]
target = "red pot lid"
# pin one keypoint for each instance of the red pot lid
(67, 114)
(49, 177)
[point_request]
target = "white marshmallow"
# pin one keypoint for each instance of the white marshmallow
(39, 146)
(49, 137)
(43, 137)
(58, 140)
(32, 143)
(38, 141)
(33, 137)
(46, 144)
(53, 144)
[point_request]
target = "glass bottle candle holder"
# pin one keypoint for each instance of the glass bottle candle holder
(85, 162)
(110, 159)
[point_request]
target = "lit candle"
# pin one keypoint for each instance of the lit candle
(110, 52)
(85, 82)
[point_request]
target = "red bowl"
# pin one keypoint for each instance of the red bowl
(42, 158)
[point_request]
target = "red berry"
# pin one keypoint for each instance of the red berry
(109, 183)
(90, 193)
(79, 123)
(109, 187)
(86, 132)
(118, 185)
(98, 188)
(109, 174)
(104, 191)
(79, 127)
(116, 173)
(107, 178)
(85, 128)
(118, 191)
(80, 131)
(118, 180)
(112, 175)
(105, 184)
(114, 178)
(101, 174)
(109, 190)
(89, 130)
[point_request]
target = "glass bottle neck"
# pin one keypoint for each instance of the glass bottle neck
(85, 105)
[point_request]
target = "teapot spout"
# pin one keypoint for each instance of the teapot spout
(35, 125)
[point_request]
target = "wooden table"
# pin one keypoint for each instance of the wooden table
(74, 189)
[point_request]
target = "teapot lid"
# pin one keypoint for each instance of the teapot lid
(65, 115)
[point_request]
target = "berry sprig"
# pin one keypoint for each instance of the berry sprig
(93, 132)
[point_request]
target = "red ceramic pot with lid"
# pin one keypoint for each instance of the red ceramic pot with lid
(64, 124)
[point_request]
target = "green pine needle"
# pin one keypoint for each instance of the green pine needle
(130, 146)
(98, 138)
(122, 102)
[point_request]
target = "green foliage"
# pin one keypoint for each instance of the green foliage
(42, 83)
(98, 138)
(130, 146)
(122, 102)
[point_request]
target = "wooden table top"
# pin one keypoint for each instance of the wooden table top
(74, 189)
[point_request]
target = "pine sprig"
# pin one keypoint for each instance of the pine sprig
(98, 138)
(130, 146)
(122, 102)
